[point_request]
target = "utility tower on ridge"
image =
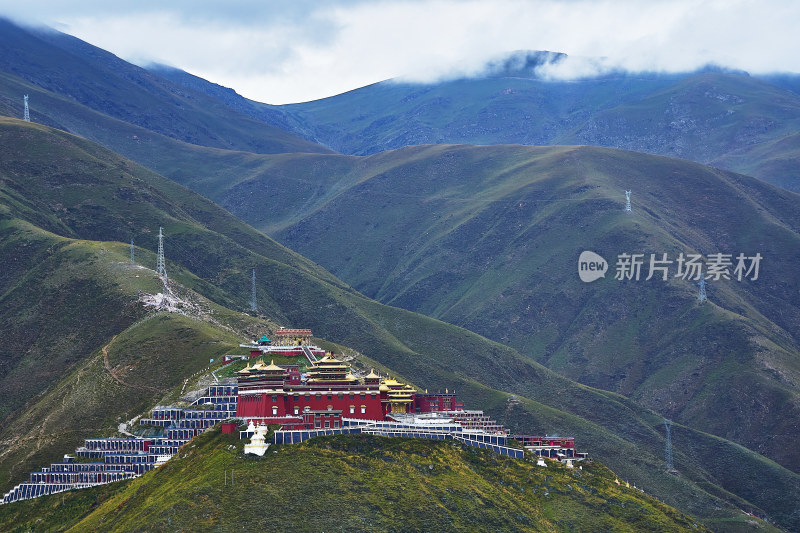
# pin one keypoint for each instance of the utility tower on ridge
(668, 450)
(132, 262)
(161, 269)
(701, 296)
(253, 304)
(26, 116)
(628, 201)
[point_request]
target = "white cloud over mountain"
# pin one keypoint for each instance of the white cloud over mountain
(288, 51)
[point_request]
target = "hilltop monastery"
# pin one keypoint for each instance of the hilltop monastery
(326, 399)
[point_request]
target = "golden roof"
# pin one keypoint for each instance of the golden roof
(329, 359)
(245, 370)
(272, 367)
(259, 365)
(372, 374)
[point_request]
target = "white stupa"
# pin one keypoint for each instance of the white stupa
(258, 442)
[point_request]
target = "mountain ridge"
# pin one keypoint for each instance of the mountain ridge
(418, 207)
(88, 75)
(712, 116)
(428, 352)
(744, 334)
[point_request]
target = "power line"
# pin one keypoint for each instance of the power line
(161, 269)
(253, 305)
(701, 296)
(187, 261)
(26, 116)
(668, 447)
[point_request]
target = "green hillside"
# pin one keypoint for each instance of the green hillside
(488, 238)
(725, 119)
(360, 483)
(80, 73)
(61, 193)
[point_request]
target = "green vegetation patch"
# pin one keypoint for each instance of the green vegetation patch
(354, 483)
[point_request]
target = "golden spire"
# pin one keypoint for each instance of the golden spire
(272, 367)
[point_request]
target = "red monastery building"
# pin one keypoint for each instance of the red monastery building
(273, 394)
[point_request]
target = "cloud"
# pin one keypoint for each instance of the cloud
(298, 50)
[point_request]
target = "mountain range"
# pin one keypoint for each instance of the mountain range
(485, 237)
(725, 119)
(71, 206)
(504, 264)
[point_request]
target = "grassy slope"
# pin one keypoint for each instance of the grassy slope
(294, 291)
(726, 119)
(360, 484)
(189, 164)
(730, 120)
(63, 298)
(489, 110)
(502, 263)
(55, 62)
(777, 159)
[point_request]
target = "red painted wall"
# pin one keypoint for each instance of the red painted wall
(261, 405)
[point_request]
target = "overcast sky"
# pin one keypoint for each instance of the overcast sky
(292, 51)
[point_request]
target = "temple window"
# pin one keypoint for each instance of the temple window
(352, 409)
(363, 409)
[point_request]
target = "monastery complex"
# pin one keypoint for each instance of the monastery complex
(328, 398)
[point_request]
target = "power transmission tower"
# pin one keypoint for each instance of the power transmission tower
(132, 262)
(701, 296)
(26, 116)
(161, 269)
(628, 201)
(668, 451)
(253, 305)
